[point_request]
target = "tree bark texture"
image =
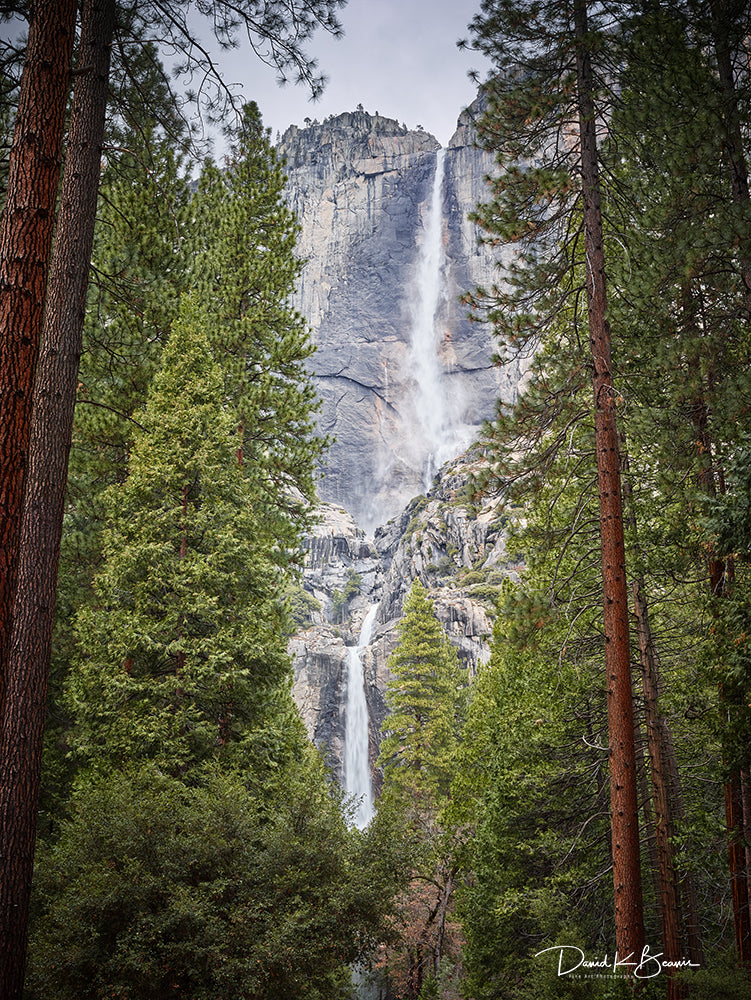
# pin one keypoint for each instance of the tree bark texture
(737, 859)
(737, 819)
(661, 756)
(54, 398)
(26, 230)
(629, 919)
(670, 910)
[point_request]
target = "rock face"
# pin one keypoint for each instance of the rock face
(405, 381)
(363, 189)
(458, 553)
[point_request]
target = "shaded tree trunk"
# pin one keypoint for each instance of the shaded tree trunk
(629, 919)
(736, 816)
(659, 747)
(54, 399)
(26, 230)
(670, 909)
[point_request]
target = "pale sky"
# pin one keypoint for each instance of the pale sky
(397, 57)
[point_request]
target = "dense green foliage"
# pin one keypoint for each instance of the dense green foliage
(245, 275)
(204, 849)
(226, 886)
(181, 648)
(425, 701)
(427, 697)
(676, 259)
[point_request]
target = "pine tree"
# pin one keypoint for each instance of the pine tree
(26, 229)
(182, 645)
(277, 34)
(423, 697)
(426, 696)
(532, 786)
(246, 270)
(684, 223)
(551, 60)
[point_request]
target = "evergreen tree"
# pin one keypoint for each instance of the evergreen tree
(244, 885)
(532, 786)
(277, 34)
(26, 229)
(426, 695)
(423, 696)
(551, 60)
(182, 645)
(246, 272)
(683, 302)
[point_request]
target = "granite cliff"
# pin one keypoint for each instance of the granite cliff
(458, 552)
(406, 381)
(402, 390)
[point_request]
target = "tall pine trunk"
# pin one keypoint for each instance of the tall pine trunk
(26, 231)
(666, 794)
(629, 919)
(733, 138)
(54, 398)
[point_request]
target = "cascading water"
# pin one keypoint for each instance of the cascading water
(443, 434)
(357, 780)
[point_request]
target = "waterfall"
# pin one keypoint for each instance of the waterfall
(443, 433)
(357, 781)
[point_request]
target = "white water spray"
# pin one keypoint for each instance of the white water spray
(443, 435)
(357, 780)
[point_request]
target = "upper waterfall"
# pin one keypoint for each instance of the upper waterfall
(438, 403)
(385, 236)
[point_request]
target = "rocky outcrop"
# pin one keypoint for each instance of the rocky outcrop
(320, 677)
(362, 186)
(343, 568)
(457, 551)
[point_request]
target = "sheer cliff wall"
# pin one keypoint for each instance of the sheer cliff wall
(361, 186)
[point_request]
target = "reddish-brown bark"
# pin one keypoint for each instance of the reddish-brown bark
(663, 769)
(629, 920)
(736, 819)
(26, 231)
(54, 397)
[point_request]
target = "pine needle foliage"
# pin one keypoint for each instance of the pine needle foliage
(245, 272)
(183, 640)
(423, 696)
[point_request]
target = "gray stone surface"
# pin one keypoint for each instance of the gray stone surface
(361, 186)
(438, 539)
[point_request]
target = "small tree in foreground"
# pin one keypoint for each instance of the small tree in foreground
(426, 696)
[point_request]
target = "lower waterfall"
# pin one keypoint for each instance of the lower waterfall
(357, 780)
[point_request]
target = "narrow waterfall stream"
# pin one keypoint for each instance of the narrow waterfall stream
(444, 434)
(357, 781)
(430, 400)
